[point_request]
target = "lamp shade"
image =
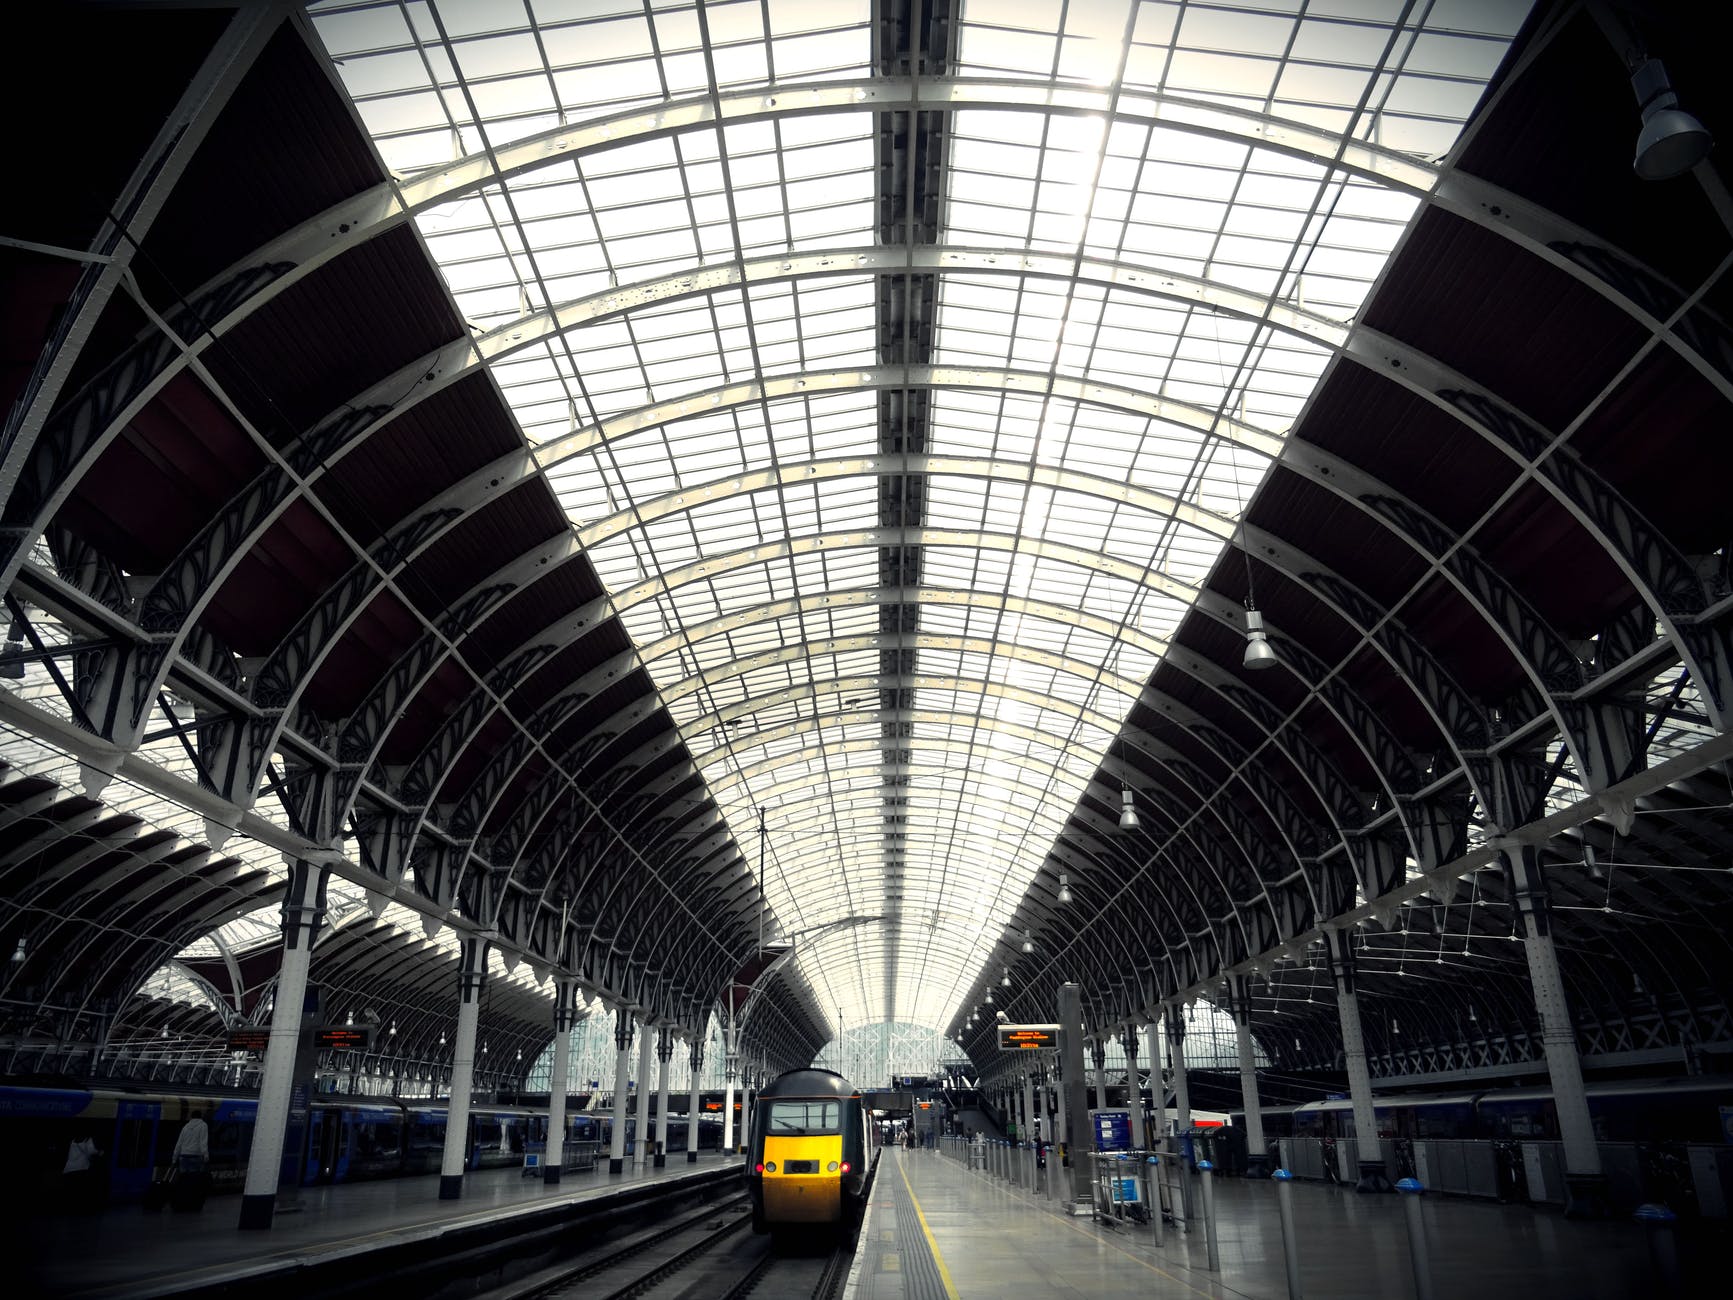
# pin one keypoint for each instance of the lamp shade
(1258, 651)
(1127, 811)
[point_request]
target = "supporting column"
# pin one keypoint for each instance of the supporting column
(1373, 1177)
(1029, 1112)
(1076, 1108)
(1157, 1085)
(1099, 1050)
(471, 975)
(641, 1142)
(623, 1029)
(695, 1102)
(730, 1064)
(1257, 1159)
(1176, 1061)
(565, 1018)
(1061, 1123)
(303, 910)
(1586, 1194)
(664, 1050)
(1133, 1089)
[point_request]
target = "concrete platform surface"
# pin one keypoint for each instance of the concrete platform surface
(988, 1241)
(128, 1252)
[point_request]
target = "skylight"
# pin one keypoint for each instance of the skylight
(1150, 239)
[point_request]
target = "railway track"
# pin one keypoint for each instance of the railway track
(710, 1254)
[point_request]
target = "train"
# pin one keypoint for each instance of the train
(1644, 1110)
(349, 1139)
(809, 1154)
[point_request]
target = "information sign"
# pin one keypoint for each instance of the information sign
(250, 1038)
(353, 1038)
(1028, 1038)
(1112, 1129)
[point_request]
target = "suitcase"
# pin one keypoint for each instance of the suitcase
(156, 1192)
(188, 1189)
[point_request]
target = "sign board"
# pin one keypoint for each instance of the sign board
(924, 1105)
(249, 1038)
(350, 1038)
(1112, 1129)
(1028, 1038)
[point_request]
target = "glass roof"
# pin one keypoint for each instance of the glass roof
(712, 414)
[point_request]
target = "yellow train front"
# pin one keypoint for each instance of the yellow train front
(809, 1153)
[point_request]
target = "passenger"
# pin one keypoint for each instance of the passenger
(77, 1180)
(192, 1157)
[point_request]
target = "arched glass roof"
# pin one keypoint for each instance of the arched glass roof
(902, 441)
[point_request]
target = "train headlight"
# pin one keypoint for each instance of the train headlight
(831, 1166)
(770, 1166)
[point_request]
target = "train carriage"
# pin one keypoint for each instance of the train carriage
(809, 1153)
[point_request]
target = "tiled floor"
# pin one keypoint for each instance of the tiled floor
(128, 1252)
(998, 1243)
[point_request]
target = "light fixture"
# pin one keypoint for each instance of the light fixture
(1671, 142)
(1127, 811)
(1005, 979)
(18, 953)
(349, 1020)
(164, 1033)
(394, 1029)
(989, 997)
(442, 1038)
(484, 1047)
(1028, 941)
(1064, 888)
(13, 669)
(1258, 651)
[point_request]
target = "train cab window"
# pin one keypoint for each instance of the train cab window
(804, 1118)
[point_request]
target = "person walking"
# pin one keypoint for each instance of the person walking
(192, 1158)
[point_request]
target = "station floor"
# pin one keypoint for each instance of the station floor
(125, 1251)
(936, 1230)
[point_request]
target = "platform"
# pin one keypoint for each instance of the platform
(127, 1251)
(937, 1231)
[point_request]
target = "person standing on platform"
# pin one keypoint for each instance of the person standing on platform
(192, 1158)
(76, 1179)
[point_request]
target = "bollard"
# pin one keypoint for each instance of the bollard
(1207, 1169)
(1290, 1243)
(1411, 1192)
(1663, 1249)
(1152, 1179)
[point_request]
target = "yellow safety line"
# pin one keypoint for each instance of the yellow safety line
(938, 1258)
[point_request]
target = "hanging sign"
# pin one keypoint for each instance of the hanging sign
(353, 1038)
(249, 1038)
(1028, 1038)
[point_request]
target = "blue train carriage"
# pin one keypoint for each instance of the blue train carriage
(809, 1149)
(135, 1133)
(351, 1139)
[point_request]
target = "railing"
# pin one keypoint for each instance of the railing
(580, 1156)
(1692, 1179)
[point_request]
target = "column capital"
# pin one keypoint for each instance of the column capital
(472, 967)
(304, 902)
(1525, 878)
(1339, 952)
(664, 1043)
(1174, 1015)
(624, 1028)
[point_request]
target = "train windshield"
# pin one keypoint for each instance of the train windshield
(804, 1118)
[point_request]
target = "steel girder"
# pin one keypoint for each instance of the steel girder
(229, 297)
